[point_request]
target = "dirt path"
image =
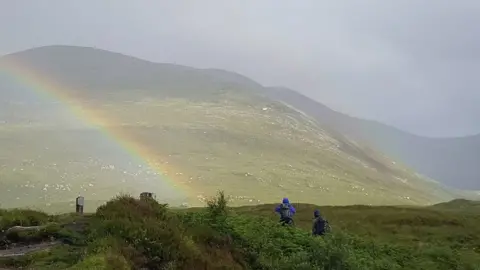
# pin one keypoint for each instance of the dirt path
(24, 250)
(78, 226)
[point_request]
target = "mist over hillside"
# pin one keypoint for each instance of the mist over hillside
(452, 161)
(200, 129)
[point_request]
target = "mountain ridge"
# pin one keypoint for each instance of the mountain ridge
(230, 76)
(203, 119)
(433, 157)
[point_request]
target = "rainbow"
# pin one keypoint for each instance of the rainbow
(43, 85)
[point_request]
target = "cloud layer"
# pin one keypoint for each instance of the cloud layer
(412, 64)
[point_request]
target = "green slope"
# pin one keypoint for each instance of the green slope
(206, 130)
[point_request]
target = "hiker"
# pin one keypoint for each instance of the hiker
(320, 225)
(286, 211)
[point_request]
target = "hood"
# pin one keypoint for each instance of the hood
(285, 200)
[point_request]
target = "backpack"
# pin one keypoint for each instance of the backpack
(321, 226)
(285, 210)
(327, 226)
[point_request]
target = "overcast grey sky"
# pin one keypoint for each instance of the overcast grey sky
(412, 64)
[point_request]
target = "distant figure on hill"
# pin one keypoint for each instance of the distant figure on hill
(320, 225)
(286, 211)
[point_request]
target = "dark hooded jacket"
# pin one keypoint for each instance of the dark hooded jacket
(320, 225)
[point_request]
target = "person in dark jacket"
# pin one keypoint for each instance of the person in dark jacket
(320, 225)
(286, 211)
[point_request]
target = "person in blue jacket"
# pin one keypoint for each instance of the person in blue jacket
(286, 211)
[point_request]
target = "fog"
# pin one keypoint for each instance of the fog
(411, 64)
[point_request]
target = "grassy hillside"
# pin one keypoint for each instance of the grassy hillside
(459, 204)
(96, 73)
(203, 130)
(452, 161)
(256, 155)
(126, 233)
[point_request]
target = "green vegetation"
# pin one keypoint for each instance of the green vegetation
(459, 204)
(126, 233)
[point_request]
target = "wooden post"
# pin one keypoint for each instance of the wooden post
(79, 205)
